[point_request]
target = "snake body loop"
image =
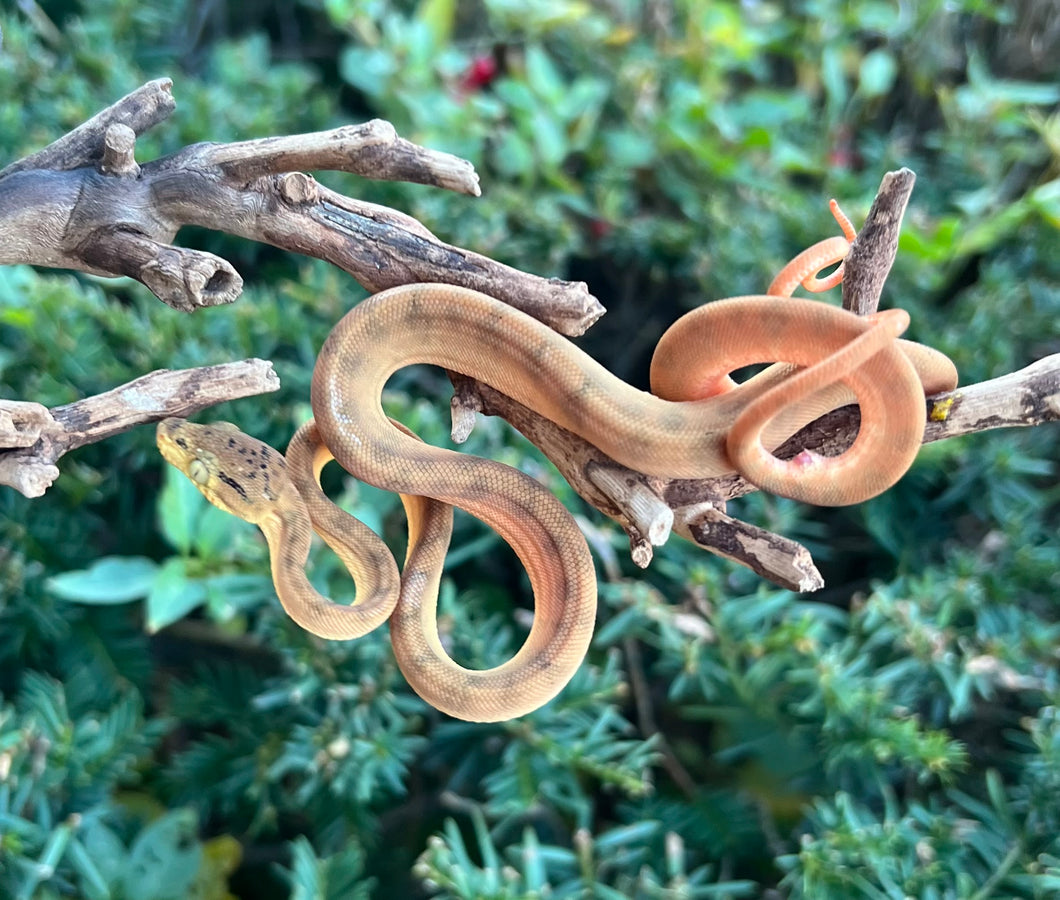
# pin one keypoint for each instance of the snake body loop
(696, 424)
(646, 432)
(251, 480)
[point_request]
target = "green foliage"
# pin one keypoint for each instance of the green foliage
(895, 737)
(63, 758)
(339, 877)
(620, 864)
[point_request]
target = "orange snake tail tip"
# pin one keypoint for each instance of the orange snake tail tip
(849, 232)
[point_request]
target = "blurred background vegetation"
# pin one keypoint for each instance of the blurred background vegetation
(166, 732)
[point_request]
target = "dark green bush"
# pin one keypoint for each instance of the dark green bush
(167, 732)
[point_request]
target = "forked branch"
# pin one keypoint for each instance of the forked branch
(648, 507)
(84, 203)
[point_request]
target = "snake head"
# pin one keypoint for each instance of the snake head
(234, 471)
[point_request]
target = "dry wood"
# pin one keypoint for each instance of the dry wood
(41, 436)
(139, 111)
(872, 254)
(83, 203)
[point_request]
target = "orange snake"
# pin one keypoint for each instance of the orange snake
(725, 428)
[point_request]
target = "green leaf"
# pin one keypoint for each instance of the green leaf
(179, 506)
(551, 141)
(834, 77)
(338, 877)
(91, 868)
(108, 581)
(1046, 200)
(173, 594)
(368, 70)
(877, 73)
(215, 530)
(190, 522)
(513, 156)
(542, 76)
(105, 849)
(305, 873)
(583, 102)
(438, 16)
(516, 95)
(164, 858)
(626, 149)
(227, 594)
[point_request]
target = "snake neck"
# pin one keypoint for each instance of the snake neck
(288, 534)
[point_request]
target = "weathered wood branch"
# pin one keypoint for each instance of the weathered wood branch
(84, 146)
(41, 436)
(696, 507)
(84, 203)
(873, 252)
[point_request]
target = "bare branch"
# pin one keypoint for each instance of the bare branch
(31, 469)
(873, 252)
(1030, 396)
(21, 423)
(383, 248)
(773, 556)
(84, 203)
(373, 150)
(648, 514)
(697, 506)
(183, 279)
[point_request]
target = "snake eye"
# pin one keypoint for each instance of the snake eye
(198, 472)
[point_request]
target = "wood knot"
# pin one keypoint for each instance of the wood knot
(119, 142)
(298, 188)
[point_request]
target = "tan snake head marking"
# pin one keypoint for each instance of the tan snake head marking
(251, 480)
